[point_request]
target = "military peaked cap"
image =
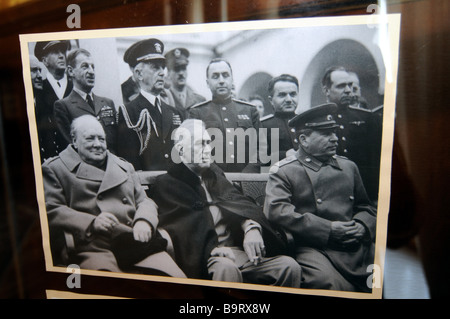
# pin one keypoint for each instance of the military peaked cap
(144, 50)
(319, 117)
(42, 48)
(177, 57)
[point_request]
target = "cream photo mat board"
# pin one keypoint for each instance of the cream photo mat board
(256, 50)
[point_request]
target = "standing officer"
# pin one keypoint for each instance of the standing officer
(359, 129)
(146, 123)
(182, 94)
(56, 86)
(283, 95)
(83, 101)
(228, 114)
(130, 87)
(319, 198)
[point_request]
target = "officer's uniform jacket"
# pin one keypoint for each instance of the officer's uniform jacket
(130, 91)
(51, 143)
(287, 137)
(304, 196)
(191, 98)
(73, 106)
(227, 116)
(156, 154)
(76, 192)
(359, 134)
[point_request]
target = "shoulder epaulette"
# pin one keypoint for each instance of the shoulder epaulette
(266, 117)
(359, 109)
(376, 109)
(340, 156)
(287, 160)
(199, 104)
(50, 159)
(274, 168)
(243, 102)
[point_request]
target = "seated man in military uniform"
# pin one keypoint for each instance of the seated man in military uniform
(319, 198)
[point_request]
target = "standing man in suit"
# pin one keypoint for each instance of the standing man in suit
(146, 123)
(82, 100)
(36, 72)
(182, 94)
(56, 86)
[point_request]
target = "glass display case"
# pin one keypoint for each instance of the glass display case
(417, 227)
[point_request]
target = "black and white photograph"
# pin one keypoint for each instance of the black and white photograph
(254, 155)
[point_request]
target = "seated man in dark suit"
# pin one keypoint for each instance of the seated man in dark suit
(320, 199)
(217, 232)
(98, 198)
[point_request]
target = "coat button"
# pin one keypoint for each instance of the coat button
(100, 197)
(224, 108)
(351, 198)
(124, 200)
(319, 201)
(308, 159)
(166, 155)
(225, 119)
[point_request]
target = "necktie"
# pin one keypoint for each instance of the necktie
(156, 114)
(90, 102)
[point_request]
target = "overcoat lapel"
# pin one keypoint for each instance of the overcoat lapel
(115, 175)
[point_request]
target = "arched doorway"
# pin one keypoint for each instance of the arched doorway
(350, 54)
(257, 84)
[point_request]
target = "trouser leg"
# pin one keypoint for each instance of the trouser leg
(319, 273)
(224, 269)
(281, 271)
